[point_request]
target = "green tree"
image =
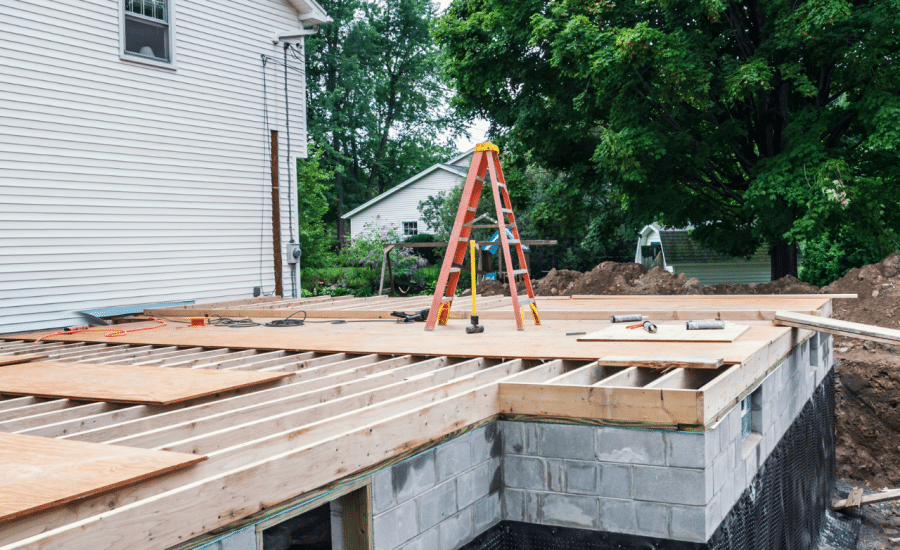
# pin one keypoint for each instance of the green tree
(759, 122)
(312, 186)
(376, 101)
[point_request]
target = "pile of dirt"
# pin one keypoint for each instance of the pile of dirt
(556, 282)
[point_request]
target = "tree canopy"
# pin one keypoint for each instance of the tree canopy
(376, 103)
(758, 122)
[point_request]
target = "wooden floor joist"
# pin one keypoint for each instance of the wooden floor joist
(361, 395)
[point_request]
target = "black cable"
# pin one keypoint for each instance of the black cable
(232, 323)
(288, 322)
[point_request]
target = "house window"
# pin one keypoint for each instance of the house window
(410, 228)
(147, 31)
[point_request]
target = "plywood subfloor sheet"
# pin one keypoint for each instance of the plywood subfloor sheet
(550, 340)
(665, 333)
(123, 383)
(37, 473)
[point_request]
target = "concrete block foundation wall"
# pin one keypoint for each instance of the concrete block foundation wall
(649, 483)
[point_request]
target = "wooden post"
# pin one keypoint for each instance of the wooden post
(357, 519)
(276, 214)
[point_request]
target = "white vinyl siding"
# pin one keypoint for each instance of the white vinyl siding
(403, 205)
(124, 183)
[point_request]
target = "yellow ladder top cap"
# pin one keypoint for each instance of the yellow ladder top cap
(487, 146)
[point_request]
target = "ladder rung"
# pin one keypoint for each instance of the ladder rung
(479, 178)
(513, 241)
(525, 301)
(464, 239)
(519, 271)
(455, 269)
(471, 209)
(501, 185)
(446, 299)
(506, 210)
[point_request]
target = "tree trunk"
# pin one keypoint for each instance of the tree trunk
(784, 260)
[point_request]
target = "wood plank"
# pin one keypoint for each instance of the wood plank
(881, 496)
(13, 359)
(665, 408)
(840, 328)
(662, 362)
(123, 383)
(620, 332)
(41, 473)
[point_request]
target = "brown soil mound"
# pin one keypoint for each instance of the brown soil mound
(557, 281)
(607, 278)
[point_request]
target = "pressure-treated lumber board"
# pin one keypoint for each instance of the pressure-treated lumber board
(665, 333)
(13, 359)
(40, 473)
(123, 383)
(882, 496)
(662, 362)
(840, 328)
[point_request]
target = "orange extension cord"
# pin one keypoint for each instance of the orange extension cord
(115, 331)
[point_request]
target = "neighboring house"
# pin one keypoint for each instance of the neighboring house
(398, 207)
(674, 251)
(134, 147)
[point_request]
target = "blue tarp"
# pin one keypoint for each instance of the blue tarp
(493, 249)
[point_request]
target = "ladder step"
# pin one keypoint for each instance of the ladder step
(525, 301)
(446, 299)
(479, 178)
(503, 185)
(513, 241)
(471, 208)
(506, 210)
(455, 269)
(519, 271)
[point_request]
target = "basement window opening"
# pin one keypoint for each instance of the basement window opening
(147, 31)
(342, 523)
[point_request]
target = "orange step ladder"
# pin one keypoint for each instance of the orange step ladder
(486, 161)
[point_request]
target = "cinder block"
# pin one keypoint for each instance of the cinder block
(751, 464)
(395, 527)
(740, 480)
(581, 477)
(436, 505)
(513, 437)
(652, 519)
(688, 523)
(524, 472)
(713, 515)
(532, 506)
(414, 476)
(382, 491)
(486, 512)
(672, 485)
(245, 539)
(618, 516)
(513, 504)
(569, 510)
(814, 341)
(477, 483)
(426, 541)
(555, 475)
(614, 480)
(721, 473)
(453, 457)
(456, 530)
(690, 450)
(631, 446)
(560, 441)
(487, 442)
(734, 427)
(724, 430)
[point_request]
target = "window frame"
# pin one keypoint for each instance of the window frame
(133, 58)
(414, 223)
